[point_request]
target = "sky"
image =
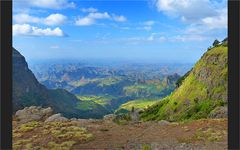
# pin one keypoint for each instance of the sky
(176, 31)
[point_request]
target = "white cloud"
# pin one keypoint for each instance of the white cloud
(50, 4)
(91, 18)
(202, 16)
(53, 19)
(209, 24)
(188, 10)
(25, 18)
(28, 30)
(219, 21)
(119, 18)
(89, 10)
(84, 21)
(97, 15)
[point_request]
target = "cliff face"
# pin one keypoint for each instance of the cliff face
(27, 91)
(25, 85)
(202, 91)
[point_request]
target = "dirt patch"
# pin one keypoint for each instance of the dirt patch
(201, 134)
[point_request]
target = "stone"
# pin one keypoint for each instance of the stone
(219, 112)
(163, 123)
(56, 118)
(109, 117)
(33, 113)
(73, 119)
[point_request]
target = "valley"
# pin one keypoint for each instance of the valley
(122, 109)
(116, 87)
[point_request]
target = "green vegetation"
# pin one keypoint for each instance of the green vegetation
(144, 90)
(28, 126)
(203, 89)
(146, 147)
(61, 146)
(180, 80)
(102, 100)
(86, 105)
(209, 135)
(138, 103)
(109, 81)
(216, 42)
(122, 119)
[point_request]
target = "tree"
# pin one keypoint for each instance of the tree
(215, 43)
(132, 108)
(225, 42)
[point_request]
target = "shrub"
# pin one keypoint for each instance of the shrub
(216, 43)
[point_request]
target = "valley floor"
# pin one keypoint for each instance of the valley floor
(206, 134)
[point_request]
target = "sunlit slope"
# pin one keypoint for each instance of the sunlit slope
(204, 89)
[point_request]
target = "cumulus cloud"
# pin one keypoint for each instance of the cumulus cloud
(98, 15)
(188, 10)
(86, 21)
(28, 30)
(201, 15)
(91, 18)
(50, 4)
(52, 20)
(219, 21)
(25, 18)
(55, 19)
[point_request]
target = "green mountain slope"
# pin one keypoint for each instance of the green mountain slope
(201, 90)
(27, 91)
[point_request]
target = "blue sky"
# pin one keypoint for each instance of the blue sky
(176, 31)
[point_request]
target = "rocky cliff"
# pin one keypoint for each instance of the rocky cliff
(27, 91)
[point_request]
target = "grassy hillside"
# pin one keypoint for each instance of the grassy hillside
(138, 103)
(201, 90)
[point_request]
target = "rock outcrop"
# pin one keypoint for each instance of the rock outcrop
(33, 113)
(56, 118)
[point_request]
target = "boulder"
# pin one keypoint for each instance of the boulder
(56, 118)
(33, 113)
(163, 123)
(109, 117)
(219, 112)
